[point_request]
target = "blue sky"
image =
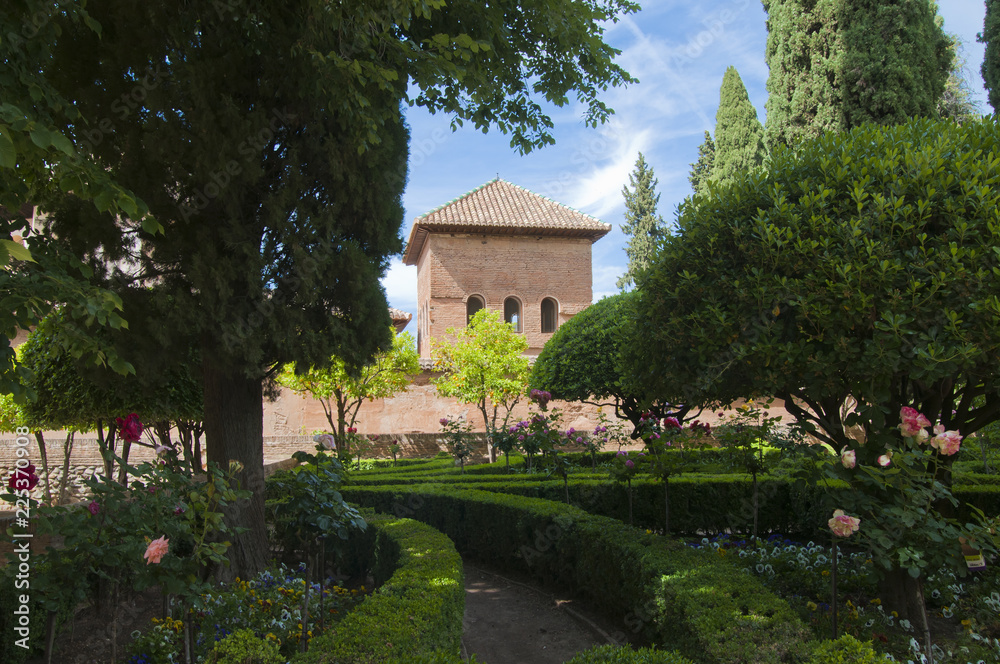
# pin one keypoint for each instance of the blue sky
(679, 51)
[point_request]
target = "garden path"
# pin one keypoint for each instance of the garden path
(510, 621)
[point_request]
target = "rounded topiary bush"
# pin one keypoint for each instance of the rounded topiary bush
(625, 655)
(846, 650)
(244, 647)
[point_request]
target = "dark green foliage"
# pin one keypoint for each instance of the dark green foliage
(580, 362)
(991, 58)
(619, 566)
(625, 655)
(701, 170)
(862, 265)
(896, 61)
(71, 393)
(835, 65)
(307, 507)
(642, 223)
(739, 136)
(416, 615)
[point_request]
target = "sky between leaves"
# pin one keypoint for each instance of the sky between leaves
(679, 51)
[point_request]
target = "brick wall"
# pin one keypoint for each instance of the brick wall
(454, 266)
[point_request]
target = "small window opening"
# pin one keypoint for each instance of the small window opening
(549, 312)
(474, 304)
(512, 313)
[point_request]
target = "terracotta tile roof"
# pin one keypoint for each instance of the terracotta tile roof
(400, 315)
(501, 208)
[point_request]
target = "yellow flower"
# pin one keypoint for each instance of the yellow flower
(825, 572)
(811, 606)
(895, 615)
(876, 602)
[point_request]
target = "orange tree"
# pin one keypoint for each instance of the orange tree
(483, 364)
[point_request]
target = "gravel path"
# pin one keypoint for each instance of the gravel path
(508, 621)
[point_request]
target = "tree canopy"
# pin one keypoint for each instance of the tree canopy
(701, 170)
(483, 364)
(341, 392)
(836, 65)
(269, 142)
(739, 136)
(991, 58)
(582, 361)
(38, 160)
(643, 225)
(862, 268)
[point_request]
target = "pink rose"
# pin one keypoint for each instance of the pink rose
(326, 440)
(912, 422)
(947, 442)
(843, 525)
(156, 550)
(94, 507)
(130, 428)
(885, 459)
(629, 464)
(671, 423)
(848, 457)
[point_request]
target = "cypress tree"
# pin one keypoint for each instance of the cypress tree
(701, 170)
(991, 60)
(835, 65)
(642, 224)
(739, 136)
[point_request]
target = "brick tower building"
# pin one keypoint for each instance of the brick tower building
(502, 247)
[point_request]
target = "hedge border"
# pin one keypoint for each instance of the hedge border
(682, 598)
(415, 614)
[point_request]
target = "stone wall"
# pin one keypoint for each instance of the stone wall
(418, 410)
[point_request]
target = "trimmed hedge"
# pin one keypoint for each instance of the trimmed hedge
(680, 597)
(415, 615)
(699, 504)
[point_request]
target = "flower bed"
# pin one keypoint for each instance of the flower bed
(801, 574)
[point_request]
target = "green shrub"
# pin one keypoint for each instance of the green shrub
(243, 647)
(620, 655)
(846, 650)
(416, 614)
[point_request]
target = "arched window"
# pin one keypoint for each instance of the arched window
(472, 305)
(512, 312)
(550, 311)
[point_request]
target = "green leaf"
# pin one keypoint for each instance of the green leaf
(62, 144)
(8, 154)
(17, 250)
(41, 136)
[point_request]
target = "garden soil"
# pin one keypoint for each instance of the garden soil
(509, 620)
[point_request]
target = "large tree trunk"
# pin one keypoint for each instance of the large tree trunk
(234, 430)
(903, 594)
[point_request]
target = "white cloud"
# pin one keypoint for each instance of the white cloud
(400, 284)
